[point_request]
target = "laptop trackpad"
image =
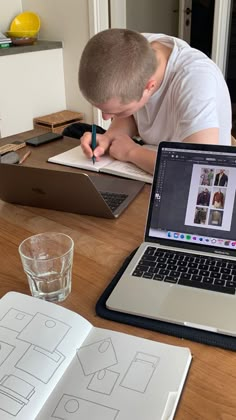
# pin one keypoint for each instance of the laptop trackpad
(208, 310)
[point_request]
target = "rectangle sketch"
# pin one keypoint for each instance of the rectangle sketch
(75, 408)
(40, 363)
(102, 354)
(15, 393)
(140, 372)
(15, 320)
(44, 331)
(103, 381)
(5, 351)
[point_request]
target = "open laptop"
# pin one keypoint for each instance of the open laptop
(75, 192)
(185, 270)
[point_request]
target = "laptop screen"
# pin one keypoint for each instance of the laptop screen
(193, 196)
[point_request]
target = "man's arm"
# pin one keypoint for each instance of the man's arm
(124, 149)
(207, 136)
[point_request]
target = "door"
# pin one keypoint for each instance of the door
(196, 20)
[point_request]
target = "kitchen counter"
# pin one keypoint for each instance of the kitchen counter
(37, 46)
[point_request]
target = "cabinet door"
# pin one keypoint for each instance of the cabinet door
(31, 85)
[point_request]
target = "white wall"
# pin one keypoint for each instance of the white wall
(8, 10)
(67, 21)
(61, 20)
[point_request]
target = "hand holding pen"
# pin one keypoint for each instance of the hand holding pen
(94, 142)
(91, 141)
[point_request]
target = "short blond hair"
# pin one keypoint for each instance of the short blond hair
(116, 63)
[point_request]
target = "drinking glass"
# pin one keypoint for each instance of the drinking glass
(47, 260)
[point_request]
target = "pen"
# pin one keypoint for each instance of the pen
(25, 157)
(94, 143)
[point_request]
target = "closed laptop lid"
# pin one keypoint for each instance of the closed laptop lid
(74, 192)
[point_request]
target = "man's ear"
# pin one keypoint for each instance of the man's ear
(150, 87)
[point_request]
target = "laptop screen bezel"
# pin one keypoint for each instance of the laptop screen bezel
(178, 243)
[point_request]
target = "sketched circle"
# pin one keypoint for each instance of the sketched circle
(71, 406)
(50, 324)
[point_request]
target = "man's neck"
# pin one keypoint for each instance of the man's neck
(162, 54)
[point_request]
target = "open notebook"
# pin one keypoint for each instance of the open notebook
(185, 270)
(57, 365)
(76, 158)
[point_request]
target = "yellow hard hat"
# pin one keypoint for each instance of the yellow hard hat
(26, 22)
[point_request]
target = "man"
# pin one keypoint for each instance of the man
(153, 86)
(221, 178)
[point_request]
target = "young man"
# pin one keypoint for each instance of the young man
(153, 86)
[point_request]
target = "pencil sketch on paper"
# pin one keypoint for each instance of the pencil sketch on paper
(40, 359)
(97, 356)
(5, 351)
(40, 363)
(15, 320)
(103, 381)
(15, 393)
(140, 372)
(52, 332)
(71, 407)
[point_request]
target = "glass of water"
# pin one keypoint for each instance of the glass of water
(47, 260)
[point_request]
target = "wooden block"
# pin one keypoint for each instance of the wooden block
(57, 121)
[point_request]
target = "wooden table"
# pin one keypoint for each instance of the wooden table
(101, 245)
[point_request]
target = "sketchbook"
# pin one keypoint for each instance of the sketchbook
(55, 365)
(77, 159)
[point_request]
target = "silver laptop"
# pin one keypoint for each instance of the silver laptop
(185, 270)
(75, 192)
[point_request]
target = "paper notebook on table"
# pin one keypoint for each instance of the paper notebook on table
(76, 158)
(55, 364)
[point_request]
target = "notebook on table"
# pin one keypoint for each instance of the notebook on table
(75, 192)
(185, 270)
(77, 159)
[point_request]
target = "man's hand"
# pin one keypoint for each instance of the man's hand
(122, 147)
(103, 143)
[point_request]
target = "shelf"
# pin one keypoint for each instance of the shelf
(37, 46)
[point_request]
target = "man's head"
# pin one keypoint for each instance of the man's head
(116, 64)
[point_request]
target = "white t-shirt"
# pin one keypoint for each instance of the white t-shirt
(192, 97)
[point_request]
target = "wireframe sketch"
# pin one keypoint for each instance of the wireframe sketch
(75, 408)
(51, 330)
(40, 363)
(5, 351)
(103, 381)
(140, 372)
(15, 393)
(15, 320)
(97, 356)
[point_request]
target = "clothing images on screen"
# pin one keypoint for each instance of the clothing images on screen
(218, 199)
(206, 177)
(221, 178)
(211, 189)
(200, 215)
(203, 197)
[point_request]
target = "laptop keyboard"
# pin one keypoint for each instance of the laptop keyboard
(187, 269)
(113, 200)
